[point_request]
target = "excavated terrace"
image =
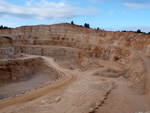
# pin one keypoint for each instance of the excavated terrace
(74, 70)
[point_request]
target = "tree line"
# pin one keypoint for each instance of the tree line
(4, 27)
(138, 31)
(85, 25)
(88, 26)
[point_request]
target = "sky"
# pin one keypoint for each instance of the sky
(112, 15)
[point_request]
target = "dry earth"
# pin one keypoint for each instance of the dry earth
(66, 68)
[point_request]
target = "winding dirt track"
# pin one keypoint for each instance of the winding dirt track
(146, 61)
(64, 81)
(72, 93)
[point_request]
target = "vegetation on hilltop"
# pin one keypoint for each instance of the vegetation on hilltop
(4, 27)
(88, 26)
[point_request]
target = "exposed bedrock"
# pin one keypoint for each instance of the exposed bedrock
(134, 65)
(70, 42)
(6, 47)
(72, 33)
(25, 69)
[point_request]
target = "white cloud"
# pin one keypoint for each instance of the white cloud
(45, 3)
(134, 5)
(6, 23)
(45, 10)
(29, 2)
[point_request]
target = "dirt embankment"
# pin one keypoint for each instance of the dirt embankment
(20, 75)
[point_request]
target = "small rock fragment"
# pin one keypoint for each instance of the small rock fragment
(91, 110)
(98, 103)
(96, 107)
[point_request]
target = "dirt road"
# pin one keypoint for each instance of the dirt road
(72, 93)
(80, 91)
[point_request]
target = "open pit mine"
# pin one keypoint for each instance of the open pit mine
(66, 68)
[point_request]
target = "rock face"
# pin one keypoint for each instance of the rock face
(6, 47)
(71, 42)
(24, 69)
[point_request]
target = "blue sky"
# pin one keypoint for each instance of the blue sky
(105, 14)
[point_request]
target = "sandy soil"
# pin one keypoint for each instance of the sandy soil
(75, 97)
(16, 88)
(124, 100)
(80, 91)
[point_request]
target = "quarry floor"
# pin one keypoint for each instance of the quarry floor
(81, 91)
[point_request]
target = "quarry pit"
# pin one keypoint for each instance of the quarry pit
(66, 68)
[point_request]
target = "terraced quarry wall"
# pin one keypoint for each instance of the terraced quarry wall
(70, 42)
(50, 35)
(72, 69)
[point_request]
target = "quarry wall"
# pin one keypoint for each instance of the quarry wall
(71, 42)
(24, 69)
(6, 47)
(50, 34)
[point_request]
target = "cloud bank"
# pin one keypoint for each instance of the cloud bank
(136, 5)
(132, 4)
(45, 10)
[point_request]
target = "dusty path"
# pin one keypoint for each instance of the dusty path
(37, 93)
(78, 91)
(64, 81)
(71, 94)
(124, 100)
(146, 61)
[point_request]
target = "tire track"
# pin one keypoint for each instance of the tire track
(63, 82)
